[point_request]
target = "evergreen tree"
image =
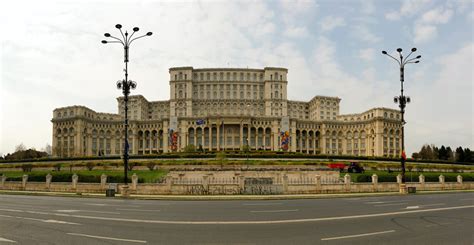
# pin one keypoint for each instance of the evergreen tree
(459, 154)
(435, 152)
(450, 154)
(442, 153)
(468, 156)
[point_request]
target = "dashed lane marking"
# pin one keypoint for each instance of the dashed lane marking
(357, 235)
(6, 240)
(274, 211)
(107, 238)
(241, 222)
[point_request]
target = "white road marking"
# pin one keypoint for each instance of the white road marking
(85, 211)
(358, 235)
(390, 204)
(103, 205)
(262, 204)
(6, 240)
(107, 238)
(42, 220)
(274, 211)
(425, 205)
(380, 202)
(248, 221)
(139, 210)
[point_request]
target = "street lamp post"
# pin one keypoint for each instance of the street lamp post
(402, 100)
(125, 85)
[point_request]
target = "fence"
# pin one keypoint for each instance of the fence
(208, 185)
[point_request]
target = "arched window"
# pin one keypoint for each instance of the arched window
(385, 115)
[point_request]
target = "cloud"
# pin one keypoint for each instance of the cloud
(331, 22)
(363, 33)
(408, 8)
(296, 32)
(426, 26)
(367, 54)
(445, 116)
(368, 7)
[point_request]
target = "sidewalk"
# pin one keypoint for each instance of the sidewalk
(222, 197)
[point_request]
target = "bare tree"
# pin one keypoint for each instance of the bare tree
(48, 149)
(20, 147)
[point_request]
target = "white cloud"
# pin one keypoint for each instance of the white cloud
(363, 33)
(367, 54)
(426, 26)
(424, 33)
(368, 7)
(296, 32)
(445, 115)
(331, 22)
(408, 8)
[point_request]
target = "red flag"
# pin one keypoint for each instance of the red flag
(404, 156)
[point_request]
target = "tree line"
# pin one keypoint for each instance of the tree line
(21, 152)
(432, 152)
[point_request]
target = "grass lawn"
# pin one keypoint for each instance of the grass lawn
(144, 176)
(384, 176)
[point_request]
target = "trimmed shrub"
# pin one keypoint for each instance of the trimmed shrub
(90, 166)
(27, 167)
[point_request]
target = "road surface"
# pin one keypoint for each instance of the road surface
(411, 219)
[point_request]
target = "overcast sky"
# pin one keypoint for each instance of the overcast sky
(51, 56)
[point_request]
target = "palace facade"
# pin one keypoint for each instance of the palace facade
(227, 109)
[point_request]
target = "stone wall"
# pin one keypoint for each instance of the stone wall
(210, 185)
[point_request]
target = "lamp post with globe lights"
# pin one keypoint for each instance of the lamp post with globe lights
(402, 100)
(125, 85)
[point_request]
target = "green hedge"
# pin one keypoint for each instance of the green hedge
(67, 177)
(233, 154)
(429, 177)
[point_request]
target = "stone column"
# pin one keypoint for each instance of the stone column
(210, 138)
(165, 136)
(293, 138)
(441, 179)
(318, 183)
(49, 177)
(241, 184)
(24, 180)
(375, 181)
(103, 180)
(134, 141)
(169, 183)
(205, 183)
(421, 179)
(347, 182)
(241, 137)
(75, 178)
(89, 144)
(399, 178)
(134, 181)
(3, 178)
(322, 142)
(285, 184)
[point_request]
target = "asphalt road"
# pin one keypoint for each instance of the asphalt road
(413, 219)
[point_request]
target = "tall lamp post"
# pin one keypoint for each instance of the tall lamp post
(402, 100)
(125, 85)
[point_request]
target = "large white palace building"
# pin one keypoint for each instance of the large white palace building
(227, 109)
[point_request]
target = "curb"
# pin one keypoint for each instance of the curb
(225, 198)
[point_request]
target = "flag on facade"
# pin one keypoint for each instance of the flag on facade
(404, 156)
(200, 122)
